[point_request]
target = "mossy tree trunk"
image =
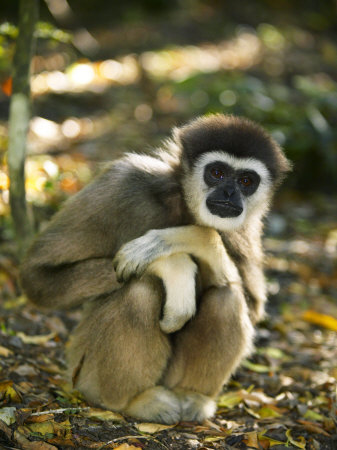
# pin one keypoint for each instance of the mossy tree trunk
(19, 116)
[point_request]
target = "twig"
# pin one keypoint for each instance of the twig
(60, 411)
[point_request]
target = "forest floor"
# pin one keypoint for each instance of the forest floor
(92, 109)
(283, 396)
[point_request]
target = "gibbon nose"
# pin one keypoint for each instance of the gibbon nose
(229, 190)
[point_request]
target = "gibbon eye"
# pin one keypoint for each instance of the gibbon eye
(245, 181)
(217, 173)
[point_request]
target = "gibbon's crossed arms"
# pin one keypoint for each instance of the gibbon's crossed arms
(164, 251)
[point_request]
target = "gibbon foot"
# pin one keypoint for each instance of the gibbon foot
(162, 405)
(195, 407)
(156, 404)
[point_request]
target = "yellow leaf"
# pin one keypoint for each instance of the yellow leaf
(312, 415)
(322, 320)
(102, 414)
(252, 413)
(271, 441)
(15, 302)
(39, 418)
(251, 440)
(126, 447)
(8, 392)
(267, 412)
(36, 340)
(51, 428)
(259, 368)
(230, 400)
(152, 428)
(5, 352)
(300, 444)
(42, 428)
(214, 438)
(272, 352)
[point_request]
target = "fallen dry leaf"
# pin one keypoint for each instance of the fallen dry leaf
(40, 418)
(102, 414)
(259, 368)
(32, 445)
(312, 415)
(322, 320)
(7, 415)
(251, 440)
(126, 447)
(271, 442)
(300, 443)
(252, 398)
(152, 428)
(267, 412)
(230, 399)
(35, 340)
(313, 427)
(213, 438)
(5, 352)
(48, 428)
(9, 393)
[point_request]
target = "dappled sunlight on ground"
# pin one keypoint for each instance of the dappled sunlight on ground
(98, 97)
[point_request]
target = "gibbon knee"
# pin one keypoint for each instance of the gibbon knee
(118, 350)
(211, 346)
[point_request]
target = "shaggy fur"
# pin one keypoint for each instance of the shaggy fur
(159, 343)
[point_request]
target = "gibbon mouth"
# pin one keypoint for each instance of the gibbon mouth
(224, 208)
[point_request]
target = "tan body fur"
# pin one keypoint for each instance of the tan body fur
(174, 377)
(165, 378)
(171, 291)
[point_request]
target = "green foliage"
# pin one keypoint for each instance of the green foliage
(301, 115)
(8, 32)
(8, 29)
(45, 30)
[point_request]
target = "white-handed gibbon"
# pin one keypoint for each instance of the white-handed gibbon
(165, 252)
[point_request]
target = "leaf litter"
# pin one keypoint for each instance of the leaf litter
(283, 396)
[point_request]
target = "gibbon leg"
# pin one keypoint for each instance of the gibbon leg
(119, 353)
(208, 350)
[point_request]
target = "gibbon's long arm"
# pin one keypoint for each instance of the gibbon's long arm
(70, 262)
(203, 243)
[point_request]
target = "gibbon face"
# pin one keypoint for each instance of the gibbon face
(224, 190)
(233, 166)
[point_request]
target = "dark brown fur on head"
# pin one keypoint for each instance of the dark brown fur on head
(237, 136)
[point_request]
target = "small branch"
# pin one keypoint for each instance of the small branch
(60, 411)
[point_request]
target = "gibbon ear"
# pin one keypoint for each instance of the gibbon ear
(284, 165)
(187, 138)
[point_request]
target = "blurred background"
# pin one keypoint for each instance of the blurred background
(114, 76)
(109, 77)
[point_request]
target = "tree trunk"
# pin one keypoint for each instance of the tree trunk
(19, 116)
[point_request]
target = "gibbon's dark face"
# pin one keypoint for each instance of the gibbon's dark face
(224, 191)
(231, 186)
(233, 168)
